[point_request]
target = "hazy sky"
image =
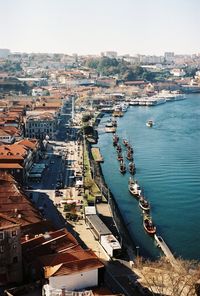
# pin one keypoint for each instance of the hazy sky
(93, 26)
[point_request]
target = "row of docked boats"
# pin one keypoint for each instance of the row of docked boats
(129, 155)
(135, 190)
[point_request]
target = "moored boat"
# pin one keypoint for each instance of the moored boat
(114, 122)
(131, 167)
(119, 148)
(115, 139)
(148, 225)
(130, 149)
(119, 156)
(109, 127)
(122, 167)
(134, 187)
(125, 142)
(144, 204)
(129, 155)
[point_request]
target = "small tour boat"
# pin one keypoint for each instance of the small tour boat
(114, 122)
(144, 204)
(109, 127)
(119, 148)
(131, 167)
(148, 225)
(149, 123)
(125, 142)
(129, 148)
(129, 156)
(115, 140)
(119, 156)
(134, 187)
(122, 167)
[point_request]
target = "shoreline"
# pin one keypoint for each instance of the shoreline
(125, 237)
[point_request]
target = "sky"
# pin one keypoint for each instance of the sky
(94, 26)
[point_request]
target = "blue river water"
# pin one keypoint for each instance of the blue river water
(167, 159)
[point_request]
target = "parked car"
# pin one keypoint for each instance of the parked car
(58, 193)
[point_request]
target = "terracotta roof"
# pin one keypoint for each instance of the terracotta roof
(15, 204)
(52, 242)
(11, 130)
(73, 267)
(3, 133)
(13, 150)
(7, 222)
(72, 255)
(29, 143)
(10, 166)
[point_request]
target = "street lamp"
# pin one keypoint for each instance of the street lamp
(137, 251)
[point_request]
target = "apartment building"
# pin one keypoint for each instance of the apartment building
(10, 251)
(41, 125)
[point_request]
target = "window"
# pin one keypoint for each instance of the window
(15, 259)
(1, 249)
(14, 233)
(1, 235)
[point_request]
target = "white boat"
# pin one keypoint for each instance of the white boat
(109, 127)
(124, 107)
(134, 102)
(149, 123)
(134, 187)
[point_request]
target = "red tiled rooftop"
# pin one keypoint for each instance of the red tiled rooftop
(10, 166)
(73, 267)
(7, 222)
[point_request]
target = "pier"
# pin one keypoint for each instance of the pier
(97, 154)
(161, 243)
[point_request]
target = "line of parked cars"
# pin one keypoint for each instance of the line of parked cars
(58, 193)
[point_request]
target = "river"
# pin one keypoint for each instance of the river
(167, 159)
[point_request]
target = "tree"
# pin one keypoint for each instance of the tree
(161, 278)
(86, 118)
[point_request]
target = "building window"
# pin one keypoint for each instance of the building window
(14, 233)
(15, 259)
(1, 235)
(1, 249)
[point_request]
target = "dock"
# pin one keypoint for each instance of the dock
(167, 252)
(97, 154)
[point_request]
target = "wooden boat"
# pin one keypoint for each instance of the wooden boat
(148, 225)
(131, 167)
(149, 123)
(130, 149)
(119, 156)
(109, 127)
(144, 204)
(125, 142)
(119, 148)
(122, 167)
(114, 122)
(129, 156)
(115, 139)
(134, 187)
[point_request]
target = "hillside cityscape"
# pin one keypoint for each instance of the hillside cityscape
(61, 229)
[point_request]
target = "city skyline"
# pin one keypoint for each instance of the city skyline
(91, 27)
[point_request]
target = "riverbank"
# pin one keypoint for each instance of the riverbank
(118, 222)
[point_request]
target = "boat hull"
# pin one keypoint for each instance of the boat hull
(150, 230)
